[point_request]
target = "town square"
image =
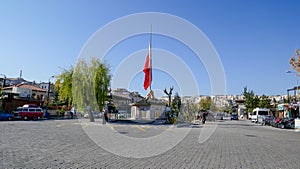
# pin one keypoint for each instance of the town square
(139, 84)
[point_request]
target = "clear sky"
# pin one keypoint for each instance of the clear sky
(254, 39)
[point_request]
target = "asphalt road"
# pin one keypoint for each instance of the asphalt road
(69, 144)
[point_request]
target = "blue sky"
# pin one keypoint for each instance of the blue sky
(254, 39)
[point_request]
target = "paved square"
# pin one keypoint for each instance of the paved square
(64, 144)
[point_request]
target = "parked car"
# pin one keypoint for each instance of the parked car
(29, 112)
(69, 115)
(286, 123)
(234, 117)
(95, 114)
(219, 116)
(258, 114)
(249, 116)
(121, 116)
(267, 120)
(6, 116)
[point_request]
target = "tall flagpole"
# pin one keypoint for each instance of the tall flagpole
(151, 56)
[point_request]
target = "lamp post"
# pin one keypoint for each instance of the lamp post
(48, 91)
(297, 87)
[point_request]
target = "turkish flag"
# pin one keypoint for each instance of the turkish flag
(148, 70)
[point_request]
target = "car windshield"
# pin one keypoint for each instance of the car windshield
(263, 113)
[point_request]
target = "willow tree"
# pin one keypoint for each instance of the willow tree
(90, 85)
(101, 82)
(63, 86)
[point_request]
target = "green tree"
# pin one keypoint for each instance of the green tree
(81, 83)
(251, 100)
(63, 85)
(175, 108)
(91, 81)
(102, 81)
(264, 102)
(205, 104)
(176, 103)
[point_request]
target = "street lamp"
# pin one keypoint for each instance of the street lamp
(296, 93)
(48, 91)
(297, 87)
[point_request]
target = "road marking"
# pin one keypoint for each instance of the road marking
(85, 125)
(60, 125)
(111, 127)
(138, 127)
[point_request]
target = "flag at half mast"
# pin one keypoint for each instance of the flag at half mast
(148, 69)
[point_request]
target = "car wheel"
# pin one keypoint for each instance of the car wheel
(10, 118)
(25, 118)
(281, 126)
(293, 126)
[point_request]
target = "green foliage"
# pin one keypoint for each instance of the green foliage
(86, 85)
(205, 104)
(251, 100)
(176, 103)
(64, 86)
(264, 102)
(101, 80)
(173, 120)
(175, 109)
(81, 85)
(91, 81)
(61, 112)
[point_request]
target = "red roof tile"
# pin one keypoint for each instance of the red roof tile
(26, 86)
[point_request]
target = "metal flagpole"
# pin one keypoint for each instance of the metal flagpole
(151, 57)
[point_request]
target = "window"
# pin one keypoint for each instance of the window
(263, 113)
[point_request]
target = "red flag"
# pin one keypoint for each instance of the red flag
(148, 70)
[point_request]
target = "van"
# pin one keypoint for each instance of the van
(28, 112)
(258, 114)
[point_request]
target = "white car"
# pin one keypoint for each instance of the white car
(86, 115)
(96, 115)
(219, 116)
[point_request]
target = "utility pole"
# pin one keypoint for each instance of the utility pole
(48, 94)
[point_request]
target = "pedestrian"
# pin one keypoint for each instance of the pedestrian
(204, 115)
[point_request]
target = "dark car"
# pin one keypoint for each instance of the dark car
(286, 123)
(234, 117)
(6, 116)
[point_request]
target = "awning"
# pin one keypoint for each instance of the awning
(282, 107)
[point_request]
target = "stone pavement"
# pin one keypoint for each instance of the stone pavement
(65, 144)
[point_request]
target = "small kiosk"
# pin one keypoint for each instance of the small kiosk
(282, 110)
